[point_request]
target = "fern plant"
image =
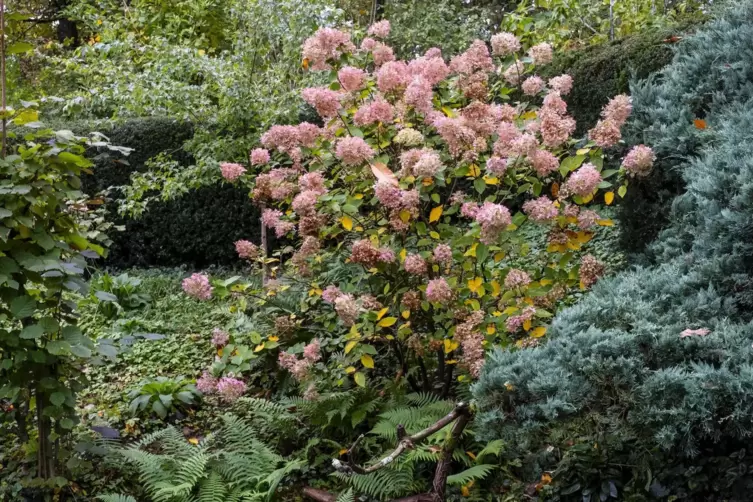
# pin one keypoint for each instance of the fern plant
(230, 465)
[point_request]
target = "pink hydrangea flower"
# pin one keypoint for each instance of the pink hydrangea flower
(504, 44)
(555, 128)
(514, 73)
(587, 218)
(442, 254)
(353, 151)
(606, 133)
(259, 156)
(380, 29)
(428, 164)
(312, 352)
(246, 249)
(382, 53)
(375, 111)
(308, 134)
(476, 58)
(514, 323)
(544, 162)
(517, 278)
(368, 44)
(541, 53)
(415, 264)
(393, 75)
(639, 161)
(494, 219)
(197, 286)
(231, 171)
(388, 195)
(469, 209)
(230, 389)
(533, 85)
(284, 138)
(496, 166)
(347, 309)
(326, 101)
(541, 209)
(419, 95)
(351, 79)
(618, 109)
(525, 144)
(386, 255)
(561, 84)
(584, 181)
(430, 68)
(439, 291)
(331, 293)
(326, 44)
(313, 182)
(304, 204)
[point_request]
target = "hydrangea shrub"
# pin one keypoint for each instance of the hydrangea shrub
(403, 212)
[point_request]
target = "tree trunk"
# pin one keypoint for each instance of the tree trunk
(45, 455)
(439, 485)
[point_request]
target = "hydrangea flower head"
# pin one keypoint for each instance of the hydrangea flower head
(197, 286)
(231, 171)
(259, 156)
(504, 44)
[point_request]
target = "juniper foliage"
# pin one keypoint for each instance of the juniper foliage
(668, 415)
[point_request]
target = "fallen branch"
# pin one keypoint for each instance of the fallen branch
(404, 442)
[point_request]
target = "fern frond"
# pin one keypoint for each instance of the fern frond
(470, 474)
(346, 496)
(493, 448)
(116, 498)
(213, 489)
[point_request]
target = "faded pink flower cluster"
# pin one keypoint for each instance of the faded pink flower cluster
(590, 270)
(272, 218)
(231, 171)
(542, 209)
(471, 341)
(439, 291)
(220, 338)
(259, 156)
(326, 44)
(639, 161)
(230, 389)
(246, 249)
(514, 323)
(197, 286)
(415, 264)
(584, 181)
(300, 368)
(606, 132)
(517, 278)
(494, 219)
(353, 151)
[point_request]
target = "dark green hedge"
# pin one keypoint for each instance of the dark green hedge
(602, 71)
(196, 230)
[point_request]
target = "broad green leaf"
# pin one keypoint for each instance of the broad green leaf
(360, 379)
(23, 307)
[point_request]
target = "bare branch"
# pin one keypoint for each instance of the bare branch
(406, 443)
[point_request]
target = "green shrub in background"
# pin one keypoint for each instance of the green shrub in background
(193, 230)
(602, 71)
(646, 384)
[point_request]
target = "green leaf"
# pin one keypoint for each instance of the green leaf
(622, 191)
(58, 347)
(57, 398)
(360, 379)
(471, 474)
(5, 213)
(18, 48)
(67, 423)
(479, 185)
(23, 307)
(571, 164)
(32, 332)
(159, 409)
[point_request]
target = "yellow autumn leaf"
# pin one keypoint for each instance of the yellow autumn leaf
(510, 310)
(381, 313)
(350, 369)
(545, 282)
(538, 332)
(403, 254)
(387, 322)
(527, 325)
(367, 361)
(343, 451)
(347, 222)
(274, 338)
(193, 441)
(471, 454)
(498, 257)
(473, 171)
(491, 329)
(605, 223)
(350, 345)
(608, 198)
(405, 314)
(358, 196)
(450, 345)
(491, 180)
(529, 115)
(427, 182)
(435, 214)
(404, 216)
(451, 361)
(475, 284)
(464, 491)
(588, 198)
(496, 288)
(582, 151)
(472, 251)
(259, 347)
